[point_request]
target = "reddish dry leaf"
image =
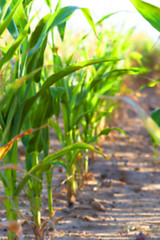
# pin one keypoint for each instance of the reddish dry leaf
(6, 148)
(14, 227)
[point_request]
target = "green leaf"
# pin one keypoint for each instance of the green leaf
(70, 69)
(149, 123)
(87, 14)
(106, 131)
(41, 114)
(20, 17)
(150, 12)
(8, 19)
(50, 159)
(36, 60)
(27, 2)
(155, 115)
(49, 3)
(105, 17)
(54, 78)
(9, 54)
(58, 6)
(58, 131)
(153, 83)
(4, 180)
(61, 163)
(56, 93)
(4, 6)
(60, 17)
(61, 30)
(12, 88)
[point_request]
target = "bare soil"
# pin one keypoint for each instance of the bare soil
(121, 196)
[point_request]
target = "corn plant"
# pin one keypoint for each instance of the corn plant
(82, 109)
(28, 99)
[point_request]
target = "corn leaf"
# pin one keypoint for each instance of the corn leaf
(87, 14)
(60, 17)
(35, 60)
(8, 19)
(155, 115)
(4, 180)
(42, 113)
(19, 16)
(13, 87)
(70, 69)
(105, 17)
(9, 54)
(149, 123)
(48, 2)
(57, 76)
(150, 12)
(4, 8)
(53, 157)
(106, 131)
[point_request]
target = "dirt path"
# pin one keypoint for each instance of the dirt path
(121, 196)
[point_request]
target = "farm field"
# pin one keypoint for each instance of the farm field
(120, 196)
(79, 125)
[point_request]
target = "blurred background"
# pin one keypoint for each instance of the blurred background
(127, 16)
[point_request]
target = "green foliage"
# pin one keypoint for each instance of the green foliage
(150, 12)
(34, 92)
(156, 116)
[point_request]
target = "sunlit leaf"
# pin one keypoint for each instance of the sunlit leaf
(87, 14)
(13, 87)
(59, 17)
(8, 19)
(149, 123)
(9, 54)
(150, 12)
(105, 17)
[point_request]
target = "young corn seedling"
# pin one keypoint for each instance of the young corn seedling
(81, 107)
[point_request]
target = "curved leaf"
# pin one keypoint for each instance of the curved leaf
(57, 76)
(9, 54)
(150, 12)
(53, 157)
(106, 131)
(13, 87)
(60, 17)
(8, 19)
(149, 123)
(4, 180)
(155, 115)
